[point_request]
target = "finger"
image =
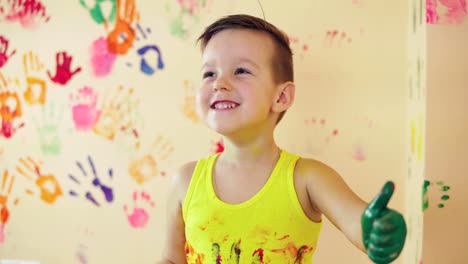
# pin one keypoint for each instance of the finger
(76, 71)
(25, 64)
(381, 200)
(3, 81)
(384, 254)
(4, 179)
(12, 181)
(12, 53)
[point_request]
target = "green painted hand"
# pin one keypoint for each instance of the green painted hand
(383, 229)
(97, 13)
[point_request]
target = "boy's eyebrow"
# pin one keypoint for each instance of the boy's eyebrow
(250, 62)
(241, 60)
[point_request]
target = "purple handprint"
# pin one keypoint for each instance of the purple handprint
(96, 182)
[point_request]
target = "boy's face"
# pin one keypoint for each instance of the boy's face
(237, 89)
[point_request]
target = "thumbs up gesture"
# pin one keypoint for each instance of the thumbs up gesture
(383, 229)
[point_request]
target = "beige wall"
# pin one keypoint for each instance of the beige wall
(447, 143)
(352, 71)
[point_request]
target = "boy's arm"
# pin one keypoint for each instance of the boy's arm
(331, 195)
(174, 248)
(373, 228)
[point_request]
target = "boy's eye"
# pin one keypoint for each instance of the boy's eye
(241, 71)
(208, 74)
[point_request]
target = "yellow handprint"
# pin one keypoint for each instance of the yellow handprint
(116, 113)
(10, 107)
(36, 86)
(189, 102)
(148, 166)
(47, 183)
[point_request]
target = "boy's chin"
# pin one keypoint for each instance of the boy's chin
(225, 130)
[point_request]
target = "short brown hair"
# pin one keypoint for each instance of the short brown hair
(282, 63)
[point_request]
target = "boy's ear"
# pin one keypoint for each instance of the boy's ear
(284, 97)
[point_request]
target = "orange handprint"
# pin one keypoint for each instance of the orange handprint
(47, 183)
(116, 113)
(5, 191)
(36, 86)
(189, 102)
(10, 108)
(148, 166)
(121, 38)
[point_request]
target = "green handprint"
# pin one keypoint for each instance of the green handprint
(383, 229)
(48, 129)
(96, 11)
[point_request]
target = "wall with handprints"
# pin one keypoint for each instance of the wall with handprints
(444, 197)
(97, 111)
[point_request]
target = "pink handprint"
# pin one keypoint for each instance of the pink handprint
(455, 12)
(139, 217)
(63, 73)
(27, 12)
(4, 56)
(102, 60)
(85, 114)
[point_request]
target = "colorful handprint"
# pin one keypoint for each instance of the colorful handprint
(63, 72)
(5, 192)
(47, 184)
(107, 191)
(10, 108)
(455, 12)
(48, 129)
(138, 217)
(29, 13)
(101, 59)
(118, 112)
(97, 13)
(148, 166)
(184, 15)
(121, 38)
(36, 86)
(84, 108)
(189, 108)
(5, 55)
(149, 54)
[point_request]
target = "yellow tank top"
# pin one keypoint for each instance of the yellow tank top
(270, 227)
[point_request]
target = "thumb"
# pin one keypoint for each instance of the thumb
(381, 200)
(374, 209)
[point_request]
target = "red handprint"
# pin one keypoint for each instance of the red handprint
(121, 38)
(4, 56)
(63, 73)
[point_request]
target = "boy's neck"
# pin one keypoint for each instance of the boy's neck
(261, 151)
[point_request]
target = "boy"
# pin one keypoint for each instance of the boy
(254, 202)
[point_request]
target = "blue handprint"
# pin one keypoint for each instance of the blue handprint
(147, 66)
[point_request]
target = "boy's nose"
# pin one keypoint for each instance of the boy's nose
(221, 84)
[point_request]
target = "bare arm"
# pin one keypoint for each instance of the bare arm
(174, 249)
(332, 196)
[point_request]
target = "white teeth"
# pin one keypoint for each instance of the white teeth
(224, 105)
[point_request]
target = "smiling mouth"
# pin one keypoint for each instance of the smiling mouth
(222, 105)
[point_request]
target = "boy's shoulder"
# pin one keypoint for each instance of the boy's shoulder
(185, 172)
(312, 168)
